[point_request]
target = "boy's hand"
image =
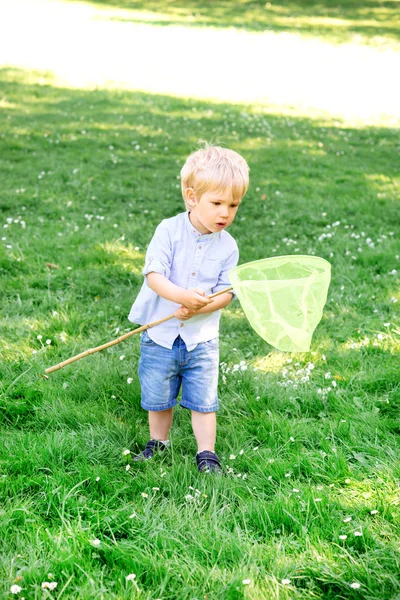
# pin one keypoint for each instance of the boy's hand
(183, 314)
(195, 299)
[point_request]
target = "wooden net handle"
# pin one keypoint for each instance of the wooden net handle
(121, 338)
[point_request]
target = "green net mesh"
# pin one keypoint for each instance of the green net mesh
(283, 298)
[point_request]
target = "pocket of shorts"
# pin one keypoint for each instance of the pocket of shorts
(145, 340)
(214, 343)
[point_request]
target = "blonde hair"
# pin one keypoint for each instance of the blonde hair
(215, 168)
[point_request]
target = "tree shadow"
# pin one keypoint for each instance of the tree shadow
(337, 21)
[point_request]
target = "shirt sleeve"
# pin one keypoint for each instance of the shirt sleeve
(159, 253)
(223, 279)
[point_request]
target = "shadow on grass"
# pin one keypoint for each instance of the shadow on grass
(338, 21)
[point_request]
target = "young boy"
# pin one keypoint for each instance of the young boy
(189, 258)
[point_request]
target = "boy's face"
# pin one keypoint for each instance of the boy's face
(213, 211)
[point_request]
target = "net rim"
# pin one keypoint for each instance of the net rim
(272, 258)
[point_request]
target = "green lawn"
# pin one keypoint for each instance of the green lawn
(310, 442)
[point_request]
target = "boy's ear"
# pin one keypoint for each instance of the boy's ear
(190, 197)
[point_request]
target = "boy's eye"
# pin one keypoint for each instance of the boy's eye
(217, 203)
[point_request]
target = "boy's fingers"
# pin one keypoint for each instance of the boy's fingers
(199, 291)
(205, 301)
(203, 298)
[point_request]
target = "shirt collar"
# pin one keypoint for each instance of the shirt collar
(195, 233)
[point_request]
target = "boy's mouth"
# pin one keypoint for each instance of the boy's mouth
(221, 225)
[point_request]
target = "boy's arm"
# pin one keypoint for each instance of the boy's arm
(192, 299)
(182, 313)
(217, 303)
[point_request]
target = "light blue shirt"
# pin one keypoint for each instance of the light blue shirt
(191, 260)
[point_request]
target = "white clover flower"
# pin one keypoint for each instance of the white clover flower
(342, 537)
(15, 589)
(317, 499)
(241, 452)
(127, 467)
(129, 380)
(131, 577)
(328, 375)
(122, 357)
(285, 581)
(48, 342)
(96, 543)
(295, 490)
(347, 480)
(144, 495)
(156, 489)
(97, 478)
(334, 384)
(374, 512)
(126, 452)
(347, 520)
(46, 585)
(232, 457)
(355, 585)
(246, 581)
(291, 438)
(39, 337)
(358, 533)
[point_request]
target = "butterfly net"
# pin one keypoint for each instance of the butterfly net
(283, 298)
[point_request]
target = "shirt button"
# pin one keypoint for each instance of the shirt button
(200, 247)
(193, 274)
(181, 325)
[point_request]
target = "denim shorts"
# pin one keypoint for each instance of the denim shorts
(162, 372)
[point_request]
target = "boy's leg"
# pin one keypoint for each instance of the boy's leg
(204, 429)
(200, 395)
(160, 423)
(160, 383)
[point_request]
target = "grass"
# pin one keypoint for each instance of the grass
(86, 177)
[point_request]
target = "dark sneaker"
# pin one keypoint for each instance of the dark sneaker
(208, 461)
(151, 447)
